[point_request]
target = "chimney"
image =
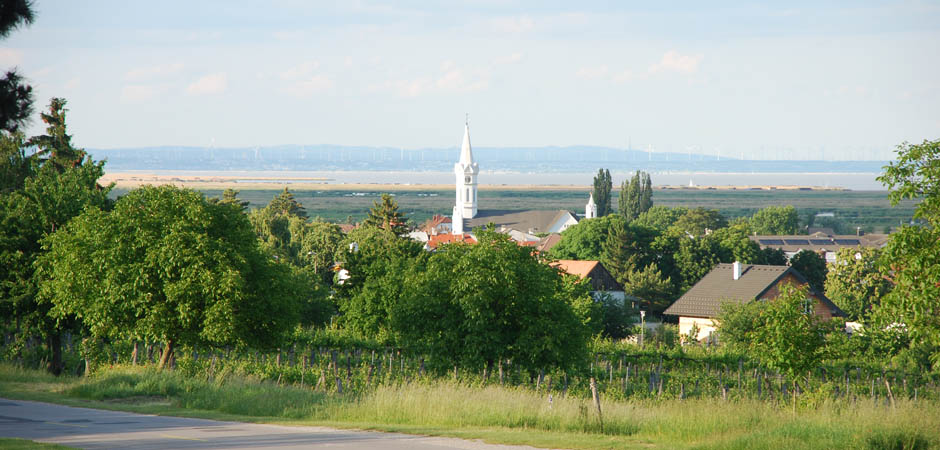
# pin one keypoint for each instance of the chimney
(736, 270)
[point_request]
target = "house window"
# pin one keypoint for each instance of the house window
(808, 306)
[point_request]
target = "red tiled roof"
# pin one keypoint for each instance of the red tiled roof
(441, 239)
(579, 268)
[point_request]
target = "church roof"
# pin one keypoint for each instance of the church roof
(532, 221)
(466, 153)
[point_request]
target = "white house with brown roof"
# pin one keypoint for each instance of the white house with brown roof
(738, 283)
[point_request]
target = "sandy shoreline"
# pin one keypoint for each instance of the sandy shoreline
(251, 182)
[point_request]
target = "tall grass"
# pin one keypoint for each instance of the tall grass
(526, 415)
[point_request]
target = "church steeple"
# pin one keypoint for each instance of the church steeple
(466, 172)
(466, 153)
(590, 209)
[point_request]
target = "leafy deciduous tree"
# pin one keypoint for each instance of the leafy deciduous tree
(168, 265)
(775, 220)
(585, 240)
(856, 282)
(812, 266)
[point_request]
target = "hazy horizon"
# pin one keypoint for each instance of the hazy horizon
(834, 81)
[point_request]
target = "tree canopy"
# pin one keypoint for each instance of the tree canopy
(585, 240)
(636, 195)
(775, 220)
(601, 192)
(167, 265)
(812, 266)
(385, 215)
(856, 282)
(16, 97)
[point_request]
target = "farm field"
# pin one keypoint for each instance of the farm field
(496, 414)
(870, 210)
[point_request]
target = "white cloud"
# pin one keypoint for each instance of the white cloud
(312, 85)
(513, 25)
(150, 72)
(592, 73)
(210, 84)
(676, 62)
(135, 93)
(452, 79)
(509, 59)
(623, 77)
(72, 83)
(302, 70)
(10, 57)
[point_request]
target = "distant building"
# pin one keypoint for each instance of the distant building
(824, 244)
(467, 215)
(602, 282)
(438, 240)
(590, 209)
(739, 283)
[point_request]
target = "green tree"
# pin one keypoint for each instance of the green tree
(660, 217)
(42, 199)
(735, 245)
(167, 265)
(627, 248)
(16, 97)
(477, 305)
(15, 165)
(772, 256)
(602, 186)
(856, 282)
(585, 240)
(775, 220)
(385, 215)
(695, 258)
(230, 196)
(284, 204)
(812, 266)
(378, 263)
(649, 285)
(55, 147)
(696, 221)
(781, 332)
(916, 175)
(636, 195)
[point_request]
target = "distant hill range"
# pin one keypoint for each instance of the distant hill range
(509, 159)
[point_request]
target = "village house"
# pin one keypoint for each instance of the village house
(826, 245)
(602, 282)
(739, 283)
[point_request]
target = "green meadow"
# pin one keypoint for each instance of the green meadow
(498, 414)
(870, 210)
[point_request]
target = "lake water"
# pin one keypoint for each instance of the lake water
(854, 181)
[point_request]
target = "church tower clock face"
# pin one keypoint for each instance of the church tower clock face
(466, 179)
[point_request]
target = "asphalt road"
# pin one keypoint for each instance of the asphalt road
(93, 428)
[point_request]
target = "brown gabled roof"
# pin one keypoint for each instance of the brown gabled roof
(719, 286)
(580, 268)
(547, 242)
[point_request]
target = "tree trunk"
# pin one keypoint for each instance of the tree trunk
(55, 344)
(166, 354)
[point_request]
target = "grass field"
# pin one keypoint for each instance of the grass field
(512, 415)
(868, 209)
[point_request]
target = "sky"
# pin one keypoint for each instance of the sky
(788, 80)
